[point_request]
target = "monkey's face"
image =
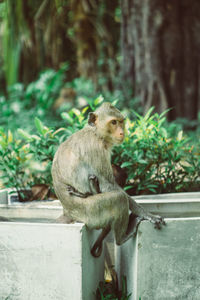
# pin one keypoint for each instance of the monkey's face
(109, 123)
(111, 130)
(115, 130)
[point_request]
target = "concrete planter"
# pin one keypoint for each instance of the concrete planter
(164, 265)
(43, 260)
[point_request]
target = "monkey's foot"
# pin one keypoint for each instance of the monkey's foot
(157, 221)
(73, 192)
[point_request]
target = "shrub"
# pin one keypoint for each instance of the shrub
(42, 147)
(27, 160)
(35, 99)
(156, 161)
(14, 162)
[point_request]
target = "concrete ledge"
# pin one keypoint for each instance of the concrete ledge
(31, 213)
(40, 259)
(172, 205)
(40, 211)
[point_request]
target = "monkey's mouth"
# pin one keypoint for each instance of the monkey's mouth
(119, 140)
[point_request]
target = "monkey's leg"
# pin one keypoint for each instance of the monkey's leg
(73, 192)
(141, 212)
(131, 231)
(132, 222)
(98, 245)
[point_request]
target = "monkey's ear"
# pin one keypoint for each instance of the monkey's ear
(92, 118)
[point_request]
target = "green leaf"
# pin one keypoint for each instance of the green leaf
(98, 100)
(10, 137)
(146, 117)
(180, 135)
(126, 164)
(85, 109)
(59, 130)
(67, 117)
(114, 103)
(128, 187)
(40, 127)
(76, 112)
(24, 134)
(142, 161)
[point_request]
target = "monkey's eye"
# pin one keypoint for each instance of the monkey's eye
(114, 122)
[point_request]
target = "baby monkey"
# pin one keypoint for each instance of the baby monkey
(85, 184)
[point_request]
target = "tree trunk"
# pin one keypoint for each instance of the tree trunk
(85, 13)
(161, 51)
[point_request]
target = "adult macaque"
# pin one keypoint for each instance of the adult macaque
(85, 184)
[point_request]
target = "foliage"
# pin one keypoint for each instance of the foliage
(27, 160)
(42, 147)
(14, 161)
(22, 103)
(41, 34)
(43, 91)
(10, 42)
(34, 36)
(158, 157)
(156, 160)
(110, 291)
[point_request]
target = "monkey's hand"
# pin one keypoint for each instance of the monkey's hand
(73, 192)
(156, 220)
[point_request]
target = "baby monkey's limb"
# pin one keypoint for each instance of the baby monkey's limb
(98, 246)
(73, 192)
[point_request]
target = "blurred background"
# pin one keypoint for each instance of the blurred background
(59, 56)
(143, 53)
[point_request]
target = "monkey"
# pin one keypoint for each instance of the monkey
(84, 182)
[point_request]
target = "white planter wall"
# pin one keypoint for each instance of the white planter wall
(164, 264)
(40, 260)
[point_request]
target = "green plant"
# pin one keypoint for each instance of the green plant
(156, 161)
(42, 147)
(44, 91)
(27, 161)
(110, 291)
(157, 157)
(14, 163)
(36, 99)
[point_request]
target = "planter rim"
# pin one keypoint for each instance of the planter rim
(167, 201)
(26, 206)
(174, 196)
